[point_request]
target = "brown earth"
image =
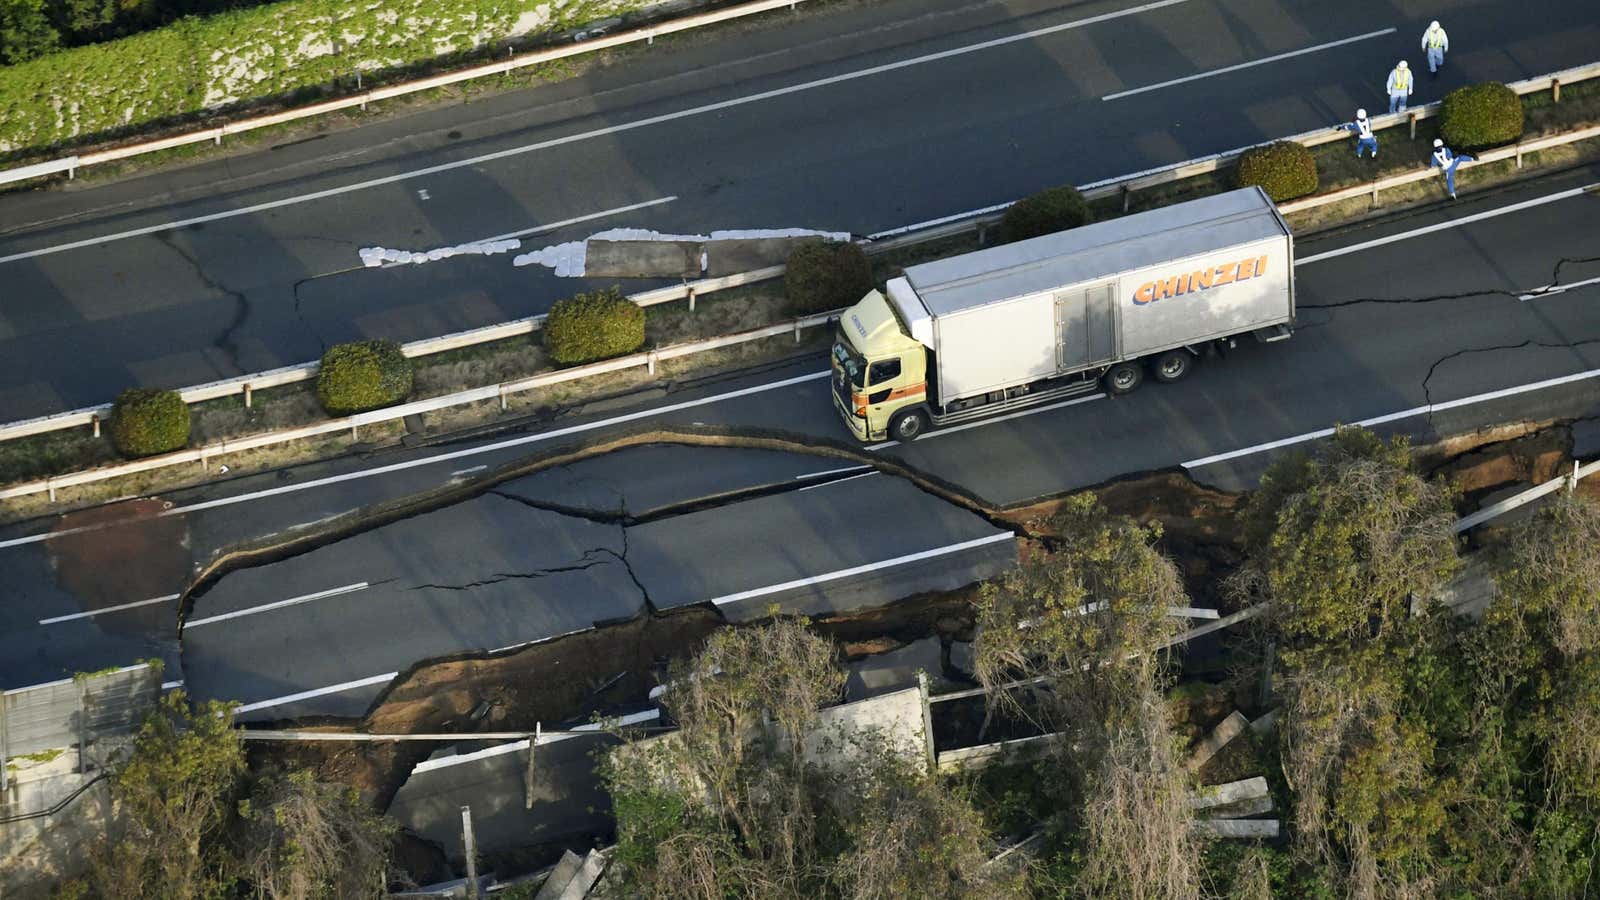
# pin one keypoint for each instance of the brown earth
(107, 566)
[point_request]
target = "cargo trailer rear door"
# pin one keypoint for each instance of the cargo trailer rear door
(1086, 328)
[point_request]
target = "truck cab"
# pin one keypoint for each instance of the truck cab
(878, 371)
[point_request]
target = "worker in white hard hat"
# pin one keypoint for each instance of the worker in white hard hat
(1362, 127)
(1447, 162)
(1436, 43)
(1399, 86)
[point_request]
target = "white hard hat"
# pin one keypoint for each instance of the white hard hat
(1433, 24)
(1438, 142)
(1361, 114)
(1401, 64)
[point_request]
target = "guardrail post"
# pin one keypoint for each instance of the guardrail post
(1519, 154)
(502, 397)
(94, 420)
(1127, 198)
(1572, 483)
(355, 434)
(650, 362)
(983, 234)
(204, 466)
(247, 393)
(1375, 183)
(50, 488)
(689, 290)
(797, 330)
(1413, 118)
(1555, 90)
(217, 138)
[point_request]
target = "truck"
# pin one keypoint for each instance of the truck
(1035, 321)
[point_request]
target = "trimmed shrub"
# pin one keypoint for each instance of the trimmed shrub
(362, 375)
(823, 275)
(1284, 169)
(1050, 210)
(1479, 116)
(145, 422)
(596, 325)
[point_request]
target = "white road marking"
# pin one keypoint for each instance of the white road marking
(171, 685)
(429, 765)
(1454, 223)
(858, 570)
(1259, 62)
(941, 432)
(603, 132)
(1551, 290)
(839, 481)
(1395, 416)
(316, 692)
(89, 614)
(830, 472)
(422, 194)
(292, 601)
(460, 472)
(438, 458)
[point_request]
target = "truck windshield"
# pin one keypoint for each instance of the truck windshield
(854, 366)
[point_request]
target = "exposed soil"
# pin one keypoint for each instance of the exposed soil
(110, 566)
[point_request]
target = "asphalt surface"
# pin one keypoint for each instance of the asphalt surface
(793, 125)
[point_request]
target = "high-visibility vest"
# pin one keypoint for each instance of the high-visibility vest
(1435, 38)
(1364, 128)
(1402, 80)
(1442, 155)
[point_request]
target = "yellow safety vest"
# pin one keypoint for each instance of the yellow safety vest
(1402, 79)
(1436, 38)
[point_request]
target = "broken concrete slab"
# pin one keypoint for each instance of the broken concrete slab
(1244, 809)
(1226, 730)
(1240, 828)
(893, 670)
(1215, 795)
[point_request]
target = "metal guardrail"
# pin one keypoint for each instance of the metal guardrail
(1516, 501)
(647, 33)
(353, 424)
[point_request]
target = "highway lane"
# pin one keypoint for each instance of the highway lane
(969, 124)
(321, 632)
(1360, 360)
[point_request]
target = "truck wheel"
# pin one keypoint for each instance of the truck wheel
(1123, 377)
(1173, 365)
(907, 426)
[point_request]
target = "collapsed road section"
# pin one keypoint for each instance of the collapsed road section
(324, 631)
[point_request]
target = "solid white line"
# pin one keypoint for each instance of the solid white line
(1259, 62)
(316, 692)
(292, 601)
(1551, 290)
(95, 612)
(1395, 416)
(442, 457)
(838, 481)
(552, 226)
(857, 570)
(1455, 223)
(830, 472)
(940, 432)
(461, 472)
(608, 130)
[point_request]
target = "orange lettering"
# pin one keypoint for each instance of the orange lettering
(1201, 279)
(1145, 293)
(1223, 275)
(1168, 288)
(1247, 269)
(1261, 266)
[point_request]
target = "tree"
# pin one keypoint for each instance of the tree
(733, 805)
(25, 31)
(174, 792)
(302, 839)
(1075, 643)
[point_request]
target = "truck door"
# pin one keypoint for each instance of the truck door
(1085, 327)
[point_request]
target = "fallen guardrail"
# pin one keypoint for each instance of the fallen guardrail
(215, 134)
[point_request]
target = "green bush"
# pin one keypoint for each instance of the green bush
(1285, 170)
(1050, 210)
(362, 375)
(823, 275)
(272, 50)
(1480, 115)
(145, 422)
(596, 325)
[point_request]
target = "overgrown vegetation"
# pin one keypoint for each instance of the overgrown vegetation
(191, 824)
(1480, 116)
(1284, 169)
(145, 422)
(593, 326)
(823, 275)
(363, 375)
(1050, 210)
(734, 804)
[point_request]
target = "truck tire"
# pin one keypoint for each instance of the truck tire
(1123, 377)
(908, 425)
(1173, 365)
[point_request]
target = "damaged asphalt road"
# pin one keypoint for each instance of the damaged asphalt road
(322, 632)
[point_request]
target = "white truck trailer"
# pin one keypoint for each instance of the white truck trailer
(1031, 322)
